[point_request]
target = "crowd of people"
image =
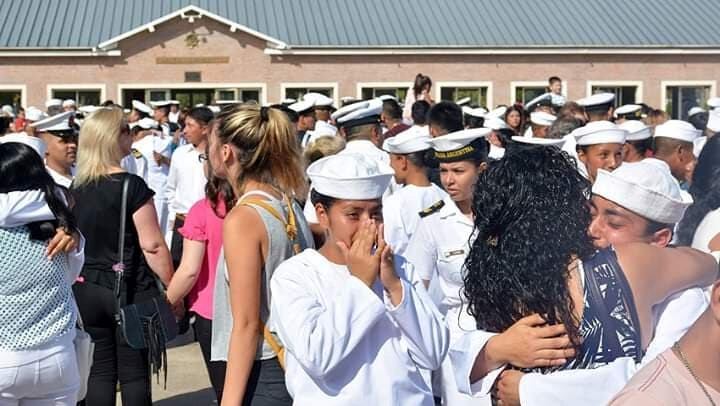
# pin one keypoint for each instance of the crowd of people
(385, 251)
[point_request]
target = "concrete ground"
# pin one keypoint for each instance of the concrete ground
(187, 383)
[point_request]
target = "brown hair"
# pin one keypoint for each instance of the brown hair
(268, 151)
(322, 147)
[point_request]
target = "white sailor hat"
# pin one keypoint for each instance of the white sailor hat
(7, 110)
(695, 110)
(498, 112)
(322, 129)
(542, 100)
(542, 119)
(288, 101)
(226, 102)
(459, 145)
(465, 109)
(302, 106)
(631, 110)
(68, 103)
(463, 101)
(88, 109)
(413, 139)
(644, 188)
(636, 130)
(34, 114)
(58, 123)
(713, 123)
(545, 142)
(146, 123)
(161, 103)
(318, 99)
(174, 102)
(679, 130)
(348, 109)
(385, 97)
(22, 138)
(214, 109)
(141, 107)
(599, 132)
(698, 146)
(367, 113)
(478, 112)
(53, 103)
(495, 123)
(350, 176)
(597, 102)
(713, 102)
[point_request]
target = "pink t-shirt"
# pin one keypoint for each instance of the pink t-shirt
(664, 381)
(202, 224)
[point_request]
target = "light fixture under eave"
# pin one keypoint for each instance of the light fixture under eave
(190, 15)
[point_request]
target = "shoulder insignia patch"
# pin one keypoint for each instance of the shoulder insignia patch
(432, 209)
(137, 154)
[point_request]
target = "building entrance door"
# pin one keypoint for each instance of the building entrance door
(192, 97)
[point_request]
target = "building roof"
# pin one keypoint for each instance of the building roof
(376, 24)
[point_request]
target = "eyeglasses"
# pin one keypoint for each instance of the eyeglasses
(202, 157)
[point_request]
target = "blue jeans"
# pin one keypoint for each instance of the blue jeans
(266, 386)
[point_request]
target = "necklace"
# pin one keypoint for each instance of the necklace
(679, 353)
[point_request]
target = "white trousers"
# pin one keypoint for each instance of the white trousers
(51, 381)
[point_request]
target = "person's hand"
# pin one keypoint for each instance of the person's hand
(388, 276)
(507, 388)
(530, 343)
(178, 309)
(62, 242)
(362, 262)
(158, 157)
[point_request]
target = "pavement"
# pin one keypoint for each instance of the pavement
(187, 382)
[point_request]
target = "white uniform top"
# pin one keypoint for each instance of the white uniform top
(186, 180)
(708, 228)
(60, 179)
(347, 344)
(156, 174)
(401, 213)
(173, 117)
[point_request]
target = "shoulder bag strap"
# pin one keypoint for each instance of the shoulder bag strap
(119, 267)
(290, 224)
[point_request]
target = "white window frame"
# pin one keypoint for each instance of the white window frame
(381, 85)
(613, 83)
(204, 85)
(309, 85)
(467, 84)
(21, 88)
(532, 83)
(685, 83)
(84, 86)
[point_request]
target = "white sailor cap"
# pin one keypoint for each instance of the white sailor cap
(495, 123)
(463, 101)
(679, 130)
(318, 99)
(599, 132)
(542, 119)
(385, 97)
(68, 103)
(34, 114)
(226, 102)
(7, 110)
(288, 101)
(413, 139)
(35, 143)
(478, 112)
(545, 142)
(695, 110)
(713, 102)
(465, 109)
(350, 176)
(53, 103)
(302, 106)
(174, 102)
(146, 123)
(214, 109)
(632, 110)
(141, 107)
(57, 123)
(459, 145)
(366, 113)
(161, 103)
(322, 129)
(698, 146)
(636, 130)
(348, 109)
(644, 188)
(498, 112)
(597, 102)
(542, 100)
(713, 123)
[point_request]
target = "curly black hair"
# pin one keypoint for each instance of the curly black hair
(705, 190)
(531, 219)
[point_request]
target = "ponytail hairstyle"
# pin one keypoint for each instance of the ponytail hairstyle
(421, 81)
(266, 147)
(531, 222)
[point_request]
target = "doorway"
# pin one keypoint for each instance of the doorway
(192, 97)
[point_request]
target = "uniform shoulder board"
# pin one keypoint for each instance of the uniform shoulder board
(137, 154)
(432, 209)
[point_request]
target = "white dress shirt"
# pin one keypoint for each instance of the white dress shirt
(346, 343)
(59, 178)
(186, 180)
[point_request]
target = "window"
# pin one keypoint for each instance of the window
(157, 95)
(244, 95)
(372, 92)
(248, 95)
(626, 91)
(524, 94)
(82, 97)
(681, 98)
(298, 92)
(11, 97)
(478, 94)
(225, 94)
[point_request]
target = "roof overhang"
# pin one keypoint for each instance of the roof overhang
(56, 52)
(191, 13)
(331, 51)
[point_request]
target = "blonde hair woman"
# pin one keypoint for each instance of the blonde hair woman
(97, 192)
(256, 150)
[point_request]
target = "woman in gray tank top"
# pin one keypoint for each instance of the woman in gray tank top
(255, 149)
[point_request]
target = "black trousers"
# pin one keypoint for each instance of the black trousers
(215, 369)
(176, 243)
(113, 359)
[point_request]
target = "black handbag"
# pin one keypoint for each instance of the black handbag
(147, 325)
